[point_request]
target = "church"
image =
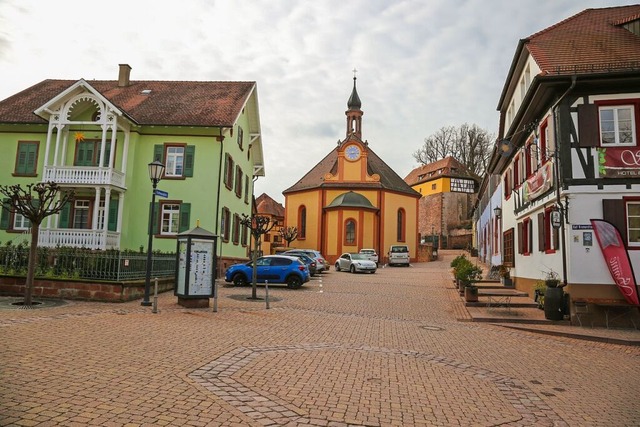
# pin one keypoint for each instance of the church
(352, 199)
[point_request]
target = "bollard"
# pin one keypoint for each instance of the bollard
(266, 288)
(155, 297)
(215, 296)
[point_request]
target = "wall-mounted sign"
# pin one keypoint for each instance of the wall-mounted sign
(619, 162)
(539, 183)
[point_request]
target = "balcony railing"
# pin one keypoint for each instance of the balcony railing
(90, 239)
(79, 175)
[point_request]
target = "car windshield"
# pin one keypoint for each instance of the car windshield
(359, 256)
(399, 249)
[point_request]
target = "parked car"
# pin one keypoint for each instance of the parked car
(321, 263)
(310, 262)
(273, 268)
(355, 263)
(398, 255)
(371, 254)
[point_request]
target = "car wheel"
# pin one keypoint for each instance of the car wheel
(337, 266)
(294, 282)
(239, 279)
(352, 269)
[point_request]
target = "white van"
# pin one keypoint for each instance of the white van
(399, 255)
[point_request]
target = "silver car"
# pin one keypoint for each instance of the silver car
(355, 263)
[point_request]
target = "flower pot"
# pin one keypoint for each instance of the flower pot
(553, 303)
(471, 294)
(552, 283)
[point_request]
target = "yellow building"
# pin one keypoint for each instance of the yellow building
(352, 199)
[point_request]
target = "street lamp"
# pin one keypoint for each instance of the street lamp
(498, 212)
(156, 170)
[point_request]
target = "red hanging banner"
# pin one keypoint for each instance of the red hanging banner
(617, 259)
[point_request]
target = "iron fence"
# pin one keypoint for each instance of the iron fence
(77, 263)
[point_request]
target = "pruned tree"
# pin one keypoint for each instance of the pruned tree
(257, 225)
(469, 144)
(288, 234)
(35, 203)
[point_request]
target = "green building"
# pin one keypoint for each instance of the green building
(97, 138)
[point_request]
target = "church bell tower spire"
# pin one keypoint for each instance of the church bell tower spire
(354, 113)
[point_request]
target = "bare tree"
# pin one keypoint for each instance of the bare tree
(469, 144)
(258, 225)
(288, 234)
(35, 203)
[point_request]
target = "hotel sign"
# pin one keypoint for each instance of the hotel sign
(619, 162)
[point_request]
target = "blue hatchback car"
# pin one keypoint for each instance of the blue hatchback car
(272, 268)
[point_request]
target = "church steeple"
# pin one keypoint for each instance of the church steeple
(354, 113)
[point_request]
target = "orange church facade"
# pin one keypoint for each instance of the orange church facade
(353, 200)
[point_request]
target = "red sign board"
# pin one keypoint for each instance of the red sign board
(619, 162)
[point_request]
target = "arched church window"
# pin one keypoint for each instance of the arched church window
(302, 222)
(350, 232)
(400, 234)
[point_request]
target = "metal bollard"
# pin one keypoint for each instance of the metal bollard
(215, 296)
(266, 287)
(155, 297)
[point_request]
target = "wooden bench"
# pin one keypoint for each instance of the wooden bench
(581, 306)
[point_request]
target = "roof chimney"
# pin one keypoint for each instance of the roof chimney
(123, 75)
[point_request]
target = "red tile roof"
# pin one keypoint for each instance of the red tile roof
(448, 166)
(266, 205)
(171, 103)
(594, 40)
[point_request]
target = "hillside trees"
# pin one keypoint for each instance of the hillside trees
(469, 144)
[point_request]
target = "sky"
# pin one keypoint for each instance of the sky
(421, 64)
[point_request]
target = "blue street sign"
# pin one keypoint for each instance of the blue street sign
(161, 193)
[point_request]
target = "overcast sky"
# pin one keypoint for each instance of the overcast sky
(422, 64)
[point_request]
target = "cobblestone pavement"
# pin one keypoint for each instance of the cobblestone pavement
(387, 349)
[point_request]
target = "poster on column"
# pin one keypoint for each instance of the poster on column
(201, 272)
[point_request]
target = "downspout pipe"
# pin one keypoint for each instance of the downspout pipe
(563, 250)
(217, 227)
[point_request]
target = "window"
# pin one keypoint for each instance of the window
(543, 142)
(240, 137)
(267, 237)
(302, 222)
(238, 185)
(236, 229)
(548, 237)
(246, 190)
(524, 237)
(170, 218)
(245, 232)
(228, 171)
(633, 223)
(516, 172)
(20, 222)
(26, 158)
(528, 159)
(617, 125)
(88, 153)
(178, 159)
(226, 224)
(433, 186)
(400, 236)
(350, 232)
(81, 214)
(506, 185)
(174, 161)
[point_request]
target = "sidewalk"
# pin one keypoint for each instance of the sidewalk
(524, 315)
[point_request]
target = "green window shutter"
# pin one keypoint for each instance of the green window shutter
(113, 215)
(185, 214)
(27, 155)
(107, 154)
(158, 153)
(4, 220)
(65, 214)
(156, 214)
(189, 159)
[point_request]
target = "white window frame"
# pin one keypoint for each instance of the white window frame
(83, 206)
(170, 219)
(616, 125)
(20, 222)
(632, 243)
(175, 161)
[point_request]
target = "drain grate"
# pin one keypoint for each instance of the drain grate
(432, 328)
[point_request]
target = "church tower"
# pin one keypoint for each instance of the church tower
(354, 113)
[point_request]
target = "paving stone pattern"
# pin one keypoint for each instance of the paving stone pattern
(396, 348)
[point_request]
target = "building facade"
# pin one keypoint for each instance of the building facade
(267, 207)
(567, 150)
(352, 200)
(448, 193)
(97, 138)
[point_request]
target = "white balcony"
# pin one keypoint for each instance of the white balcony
(80, 175)
(90, 239)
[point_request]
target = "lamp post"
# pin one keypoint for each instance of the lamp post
(156, 170)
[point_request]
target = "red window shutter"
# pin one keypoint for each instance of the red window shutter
(541, 232)
(613, 211)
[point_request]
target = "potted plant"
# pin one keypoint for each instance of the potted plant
(467, 273)
(553, 296)
(471, 293)
(551, 279)
(505, 275)
(456, 264)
